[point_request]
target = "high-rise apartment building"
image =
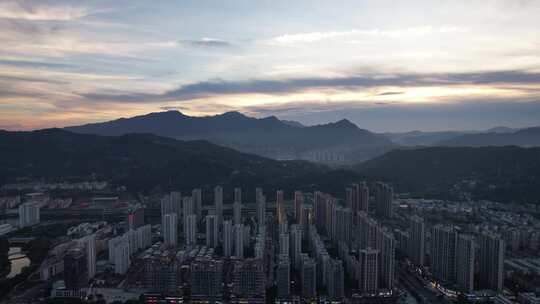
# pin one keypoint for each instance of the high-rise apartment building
(227, 238)
(308, 277)
(280, 207)
(249, 281)
(491, 270)
(465, 259)
(211, 231)
(237, 206)
(298, 203)
(368, 268)
(296, 246)
(359, 200)
(206, 279)
(29, 214)
(75, 268)
(190, 232)
(196, 195)
(416, 250)
(121, 256)
(218, 204)
(188, 207)
(90, 246)
(261, 207)
(443, 253)
(283, 276)
(284, 244)
(384, 196)
(239, 241)
(387, 247)
(336, 279)
(170, 230)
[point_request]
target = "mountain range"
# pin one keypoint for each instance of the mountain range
(423, 138)
(340, 142)
(139, 161)
(146, 162)
(527, 137)
(269, 137)
(506, 173)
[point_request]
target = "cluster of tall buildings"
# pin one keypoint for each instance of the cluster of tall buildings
(122, 247)
(370, 257)
(330, 273)
(77, 258)
(453, 257)
(188, 210)
(277, 241)
(231, 235)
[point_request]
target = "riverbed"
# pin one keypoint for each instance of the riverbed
(18, 261)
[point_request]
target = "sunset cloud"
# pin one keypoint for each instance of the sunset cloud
(36, 11)
(68, 62)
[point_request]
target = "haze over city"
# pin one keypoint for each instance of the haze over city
(386, 66)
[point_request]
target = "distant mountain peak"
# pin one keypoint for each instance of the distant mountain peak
(272, 118)
(167, 114)
(345, 123)
(293, 123)
(232, 114)
(500, 129)
(263, 136)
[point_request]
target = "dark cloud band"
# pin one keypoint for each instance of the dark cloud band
(280, 87)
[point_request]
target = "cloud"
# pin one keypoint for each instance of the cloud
(11, 127)
(467, 114)
(310, 37)
(495, 77)
(390, 93)
(31, 79)
(278, 87)
(172, 108)
(36, 12)
(32, 64)
(207, 42)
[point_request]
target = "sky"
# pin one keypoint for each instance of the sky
(384, 65)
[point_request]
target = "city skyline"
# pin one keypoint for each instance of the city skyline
(309, 151)
(386, 67)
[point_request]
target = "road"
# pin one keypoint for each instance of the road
(417, 288)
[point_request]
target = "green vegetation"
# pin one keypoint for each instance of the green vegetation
(49, 231)
(4, 252)
(36, 250)
(147, 163)
(8, 285)
(140, 161)
(64, 301)
(505, 174)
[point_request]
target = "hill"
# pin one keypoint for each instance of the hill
(421, 138)
(434, 138)
(269, 137)
(498, 173)
(527, 137)
(140, 161)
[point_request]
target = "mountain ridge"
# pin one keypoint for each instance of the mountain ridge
(140, 161)
(269, 136)
(507, 173)
(527, 137)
